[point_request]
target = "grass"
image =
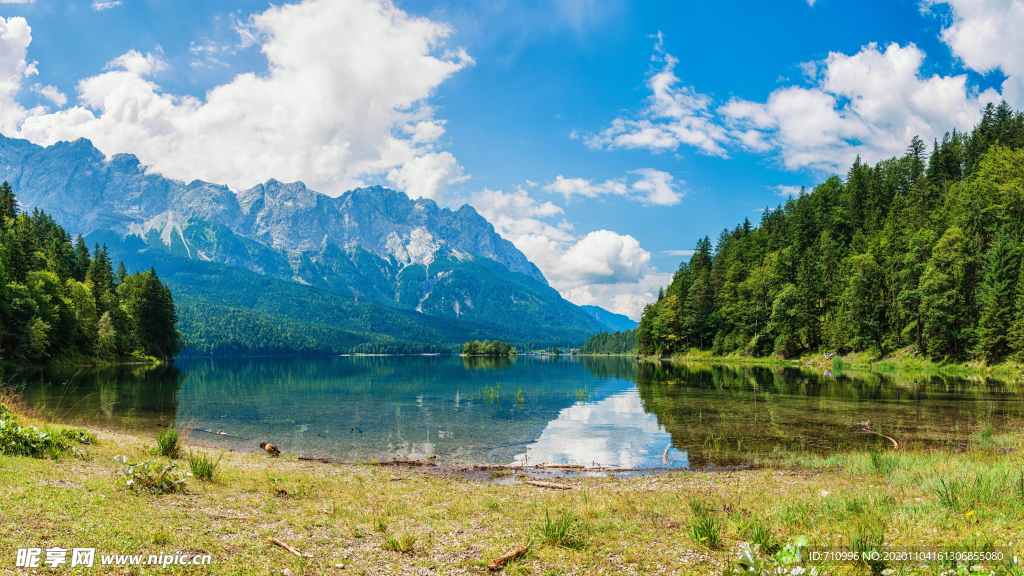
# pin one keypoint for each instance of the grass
(404, 543)
(168, 443)
(360, 517)
(202, 466)
(565, 531)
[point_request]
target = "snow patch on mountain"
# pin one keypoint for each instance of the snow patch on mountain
(166, 224)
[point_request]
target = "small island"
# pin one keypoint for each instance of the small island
(488, 348)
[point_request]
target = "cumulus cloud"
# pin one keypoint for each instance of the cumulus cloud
(985, 35)
(673, 115)
(787, 191)
(652, 187)
(51, 93)
(343, 101)
(871, 103)
(99, 5)
(679, 252)
(602, 267)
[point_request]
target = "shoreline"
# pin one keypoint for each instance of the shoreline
(396, 519)
(850, 362)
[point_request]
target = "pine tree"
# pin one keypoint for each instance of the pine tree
(998, 299)
(81, 260)
(8, 203)
(863, 304)
(943, 300)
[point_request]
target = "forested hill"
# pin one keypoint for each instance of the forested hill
(58, 303)
(920, 252)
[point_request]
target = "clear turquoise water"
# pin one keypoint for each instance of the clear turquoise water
(607, 411)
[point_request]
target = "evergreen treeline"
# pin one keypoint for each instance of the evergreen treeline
(919, 252)
(605, 343)
(57, 301)
(488, 348)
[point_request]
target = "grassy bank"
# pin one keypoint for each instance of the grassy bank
(78, 360)
(893, 363)
(364, 519)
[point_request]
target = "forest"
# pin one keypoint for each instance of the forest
(59, 303)
(917, 255)
(604, 343)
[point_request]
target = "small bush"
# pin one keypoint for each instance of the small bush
(202, 466)
(403, 544)
(18, 440)
(566, 531)
(152, 476)
(837, 364)
(168, 443)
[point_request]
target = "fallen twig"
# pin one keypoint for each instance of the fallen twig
(286, 546)
(403, 463)
(500, 561)
(548, 485)
(314, 459)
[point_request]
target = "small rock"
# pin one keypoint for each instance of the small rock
(287, 572)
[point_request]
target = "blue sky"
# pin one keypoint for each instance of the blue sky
(603, 138)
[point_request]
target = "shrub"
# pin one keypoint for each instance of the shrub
(18, 440)
(168, 443)
(152, 476)
(202, 466)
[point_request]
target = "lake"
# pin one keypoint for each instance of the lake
(610, 411)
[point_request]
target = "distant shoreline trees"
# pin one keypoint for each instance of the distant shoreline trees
(488, 348)
(58, 302)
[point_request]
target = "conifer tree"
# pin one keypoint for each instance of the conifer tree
(945, 313)
(998, 299)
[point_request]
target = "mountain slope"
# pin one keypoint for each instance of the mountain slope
(367, 245)
(611, 320)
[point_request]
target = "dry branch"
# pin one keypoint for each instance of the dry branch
(286, 546)
(500, 561)
(548, 485)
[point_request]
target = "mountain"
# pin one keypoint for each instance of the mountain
(369, 245)
(610, 320)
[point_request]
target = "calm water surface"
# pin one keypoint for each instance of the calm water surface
(608, 411)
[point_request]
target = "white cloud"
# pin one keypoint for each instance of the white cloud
(343, 101)
(15, 36)
(787, 191)
(872, 104)
(51, 93)
(986, 36)
(653, 187)
(99, 5)
(673, 115)
(679, 252)
(16, 1)
(603, 268)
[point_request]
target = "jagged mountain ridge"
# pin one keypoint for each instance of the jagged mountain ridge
(85, 192)
(367, 245)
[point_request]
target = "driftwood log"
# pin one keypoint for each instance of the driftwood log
(543, 484)
(500, 561)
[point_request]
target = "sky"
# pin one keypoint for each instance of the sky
(603, 138)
